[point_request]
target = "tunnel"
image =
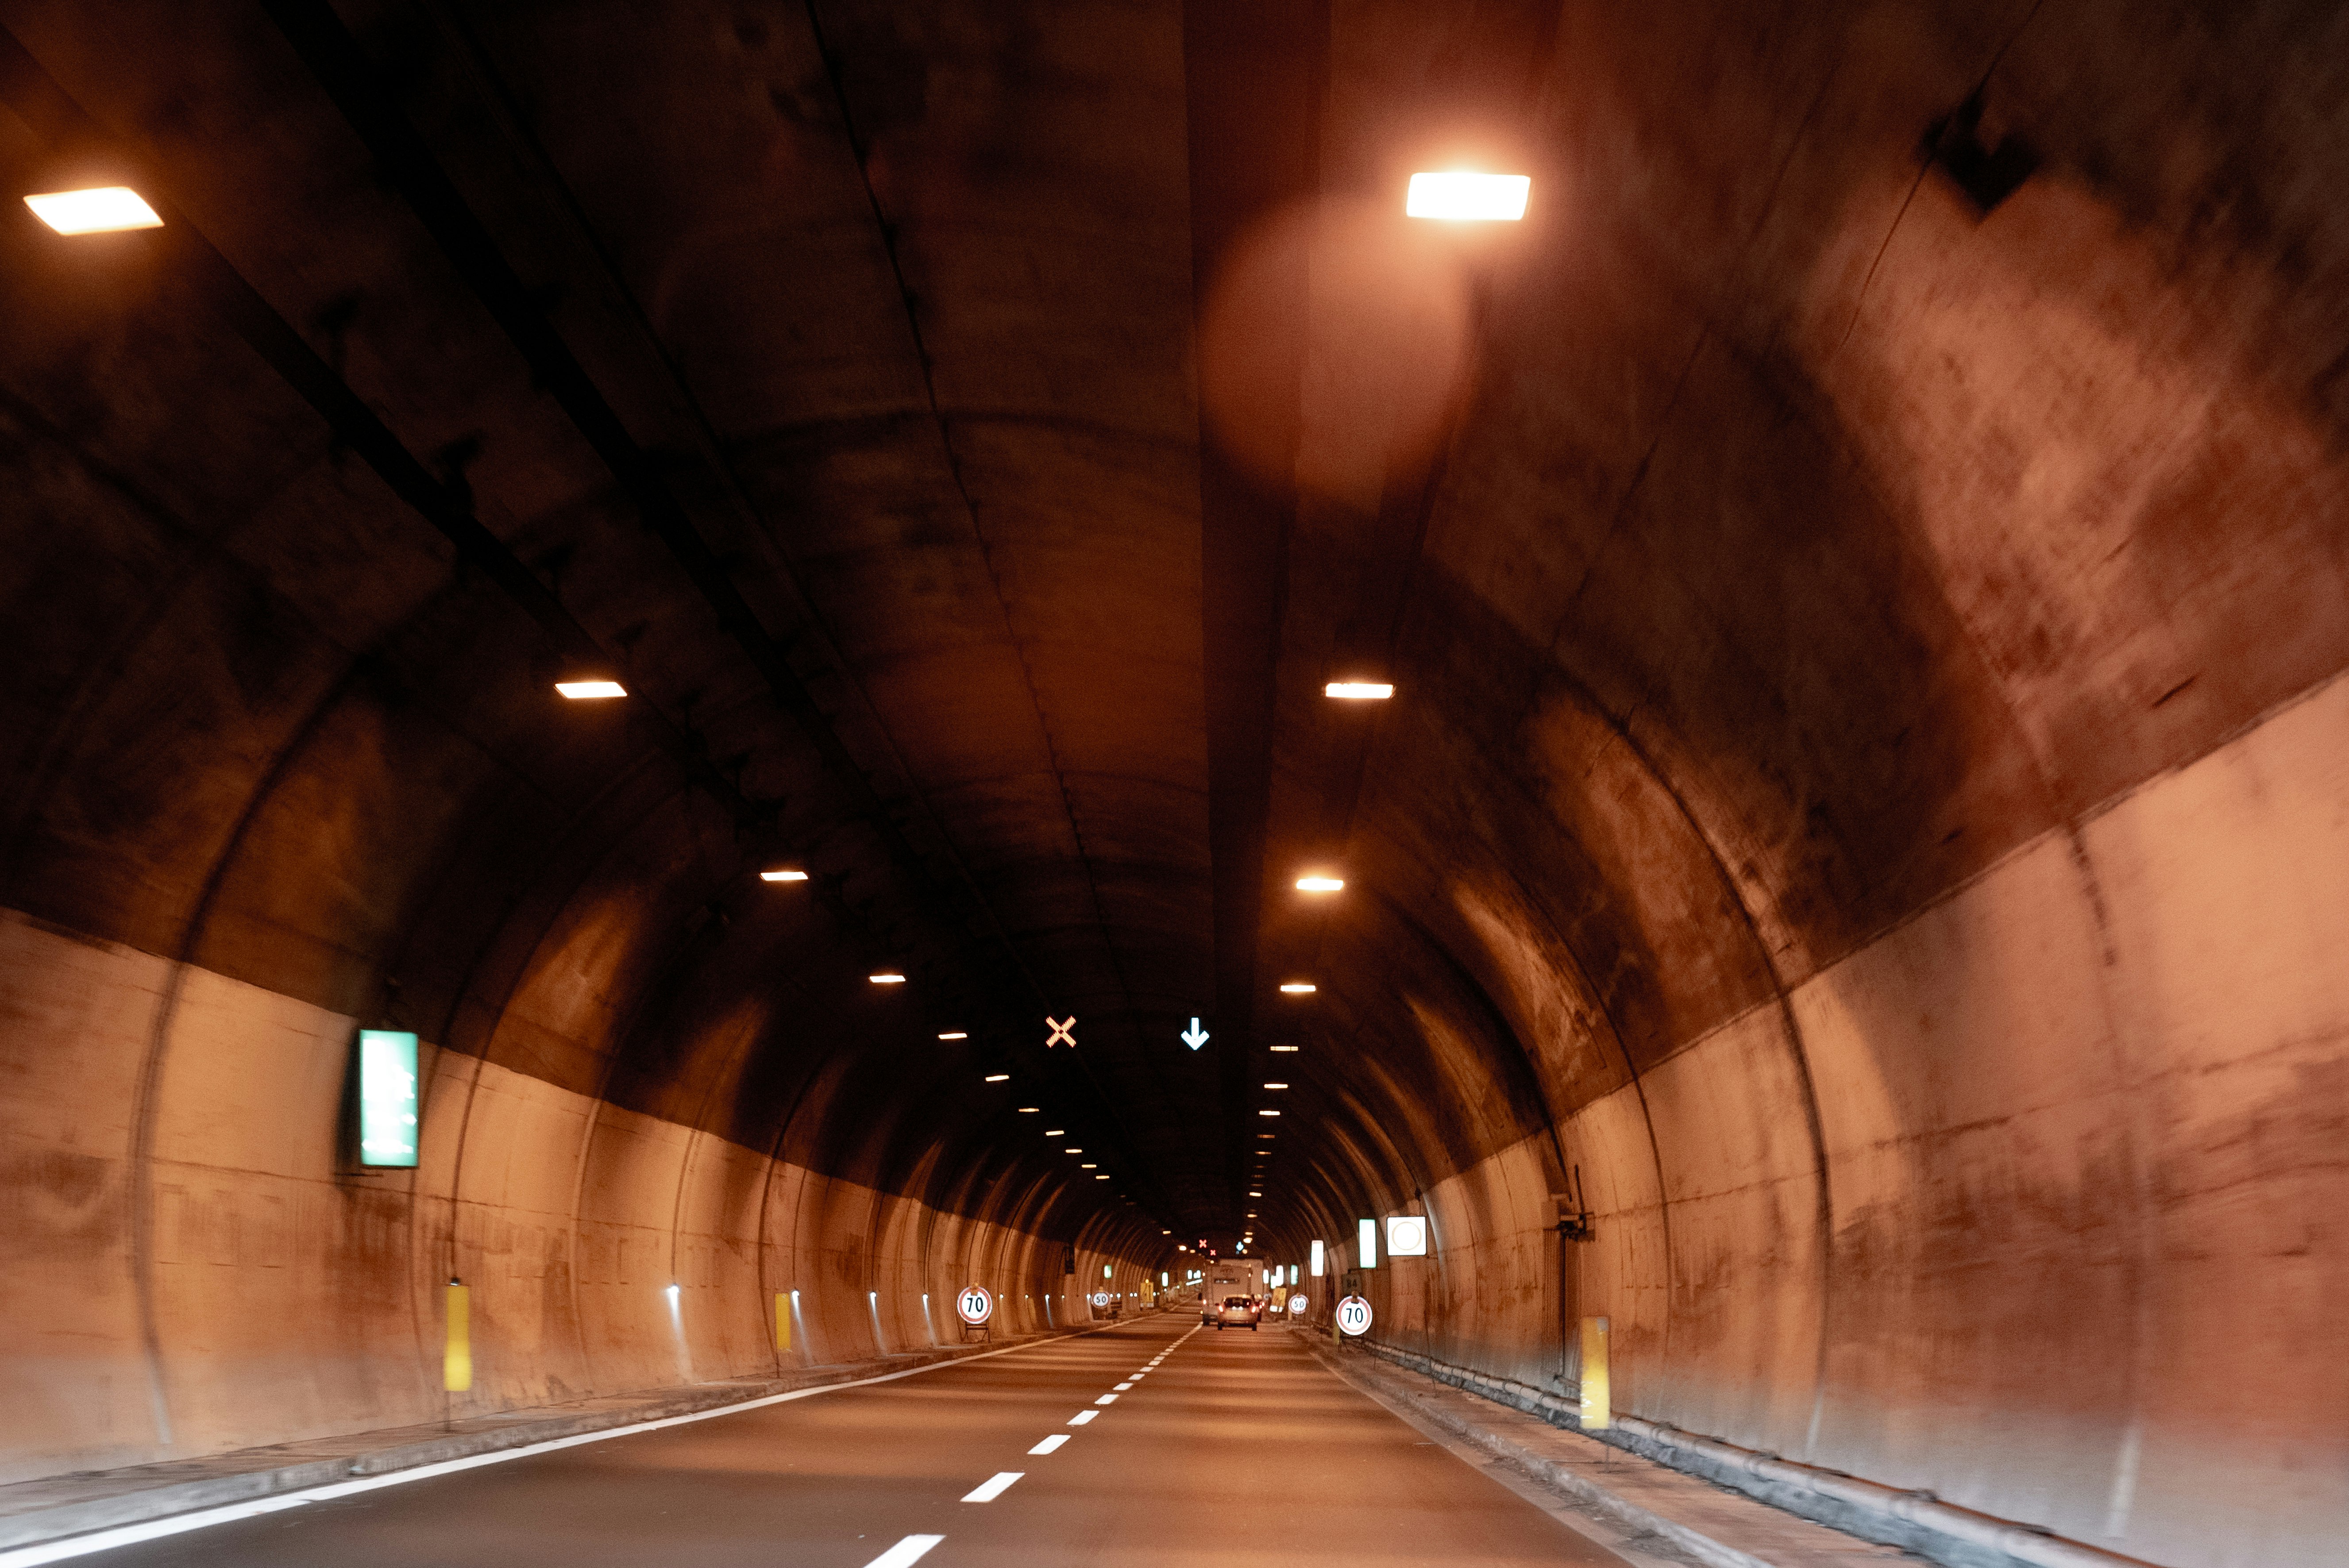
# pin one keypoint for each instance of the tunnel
(685, 680)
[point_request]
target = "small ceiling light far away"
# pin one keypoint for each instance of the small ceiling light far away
(954, 1035)
(1460, 196)
(1072, 1152)
(1359, 691)
(1298, 988)
(1103, 1177)
(998, 1078)
(1276, 1086)
(1267, 1113)
(1088, 1165)
(1291, 1048)
(106, 210)
(1029, 1110)
(1056, 1133)
(782, 874)
(590, 691)
(886, 977)
(1317, 883)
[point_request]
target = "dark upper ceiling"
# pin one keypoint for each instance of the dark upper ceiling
(829, 369)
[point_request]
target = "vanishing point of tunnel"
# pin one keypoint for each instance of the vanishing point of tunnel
(1316, 782)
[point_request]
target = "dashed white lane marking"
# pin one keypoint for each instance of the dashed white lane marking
(1081, 1417)
(1122, 1388)
(905, 1552)
(1049, 1444)
(993, 1487)
(1106, 1399)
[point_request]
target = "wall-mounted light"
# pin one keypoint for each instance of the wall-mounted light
(102, 210)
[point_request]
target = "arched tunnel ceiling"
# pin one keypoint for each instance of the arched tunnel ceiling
(1753, 565)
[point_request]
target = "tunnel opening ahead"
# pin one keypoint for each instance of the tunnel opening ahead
(1048, 650)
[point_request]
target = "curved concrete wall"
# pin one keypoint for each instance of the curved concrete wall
(229, 1280)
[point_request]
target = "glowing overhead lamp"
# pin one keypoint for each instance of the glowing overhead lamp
(998, 1078)
(886, 977)
(1460, 196)
(782, 874)
(954, 1035)
(1298, 988)
(1072, 1152)
(1276, 1086)
(1256, 1194)
(1291, 1048)
(1359, 691)
(1267, 1113)
(103, 210)
(1318, 883)
(1029, 1110)
(1056, 1133)
(591, 690)
(1101, 1178)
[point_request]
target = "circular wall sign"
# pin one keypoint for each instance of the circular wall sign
(974, 1305)
(1354, 1316)
(1296, 1304)
(1100, 1299)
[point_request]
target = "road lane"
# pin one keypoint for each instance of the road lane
(1243, 1439)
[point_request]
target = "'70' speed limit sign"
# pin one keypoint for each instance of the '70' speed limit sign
(1354, 1316)
(974, 1305)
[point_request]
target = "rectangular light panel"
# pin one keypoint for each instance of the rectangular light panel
(1313, 1264)
(386, 1097)
(1459, 197)
(1367, 1236)
(107, 210)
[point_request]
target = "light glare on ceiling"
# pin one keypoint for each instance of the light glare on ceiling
(1359, 691)
(590, 691)
(1461, 196)
(104, 210)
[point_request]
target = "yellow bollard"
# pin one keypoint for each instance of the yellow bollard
(457, 1363)
(782, 1321)
(1598, 1400)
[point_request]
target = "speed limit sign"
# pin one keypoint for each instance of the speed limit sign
(1296, 1305)
(975, 1306)
(1354, 1316)
(1100, 1299)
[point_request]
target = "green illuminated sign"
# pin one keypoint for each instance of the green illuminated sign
(386, 1097)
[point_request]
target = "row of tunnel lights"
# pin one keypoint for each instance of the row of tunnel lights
(1454, 196)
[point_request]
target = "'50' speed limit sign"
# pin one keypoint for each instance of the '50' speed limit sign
(1354, 1316)
(974, 1305)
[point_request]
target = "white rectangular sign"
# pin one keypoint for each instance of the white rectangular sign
(1407, 1236)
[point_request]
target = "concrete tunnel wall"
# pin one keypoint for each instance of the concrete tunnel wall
(295, 1296)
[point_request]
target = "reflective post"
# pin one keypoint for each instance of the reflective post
(1598, 1400)
(457, 1360)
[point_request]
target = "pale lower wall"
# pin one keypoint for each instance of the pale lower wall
(2085, 1127)
(292, 1299)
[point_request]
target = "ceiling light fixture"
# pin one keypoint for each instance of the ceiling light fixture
(1101, 1178)
(590, 691)
(1088, 1165)
(782, 874)
(1298, 988)
(886, 977)
(1072, 1152)
(1291, 1048)
(954, 1035)
(1320, 884)
(1276, 1086)
(998, 1078)
(1359, 691)
(1461, 196)
(1056, 1133)
(104, 210)
(1029, 1110)
(1267, 1113)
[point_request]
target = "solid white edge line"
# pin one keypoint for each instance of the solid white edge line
(1050, 1443)
(993, 1487)
(71, 1546)
(907, 1552)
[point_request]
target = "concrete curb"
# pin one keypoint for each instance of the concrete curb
(36, 1525)
(1914, 1521)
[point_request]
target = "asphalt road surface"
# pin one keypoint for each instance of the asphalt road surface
(1150, 1443)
